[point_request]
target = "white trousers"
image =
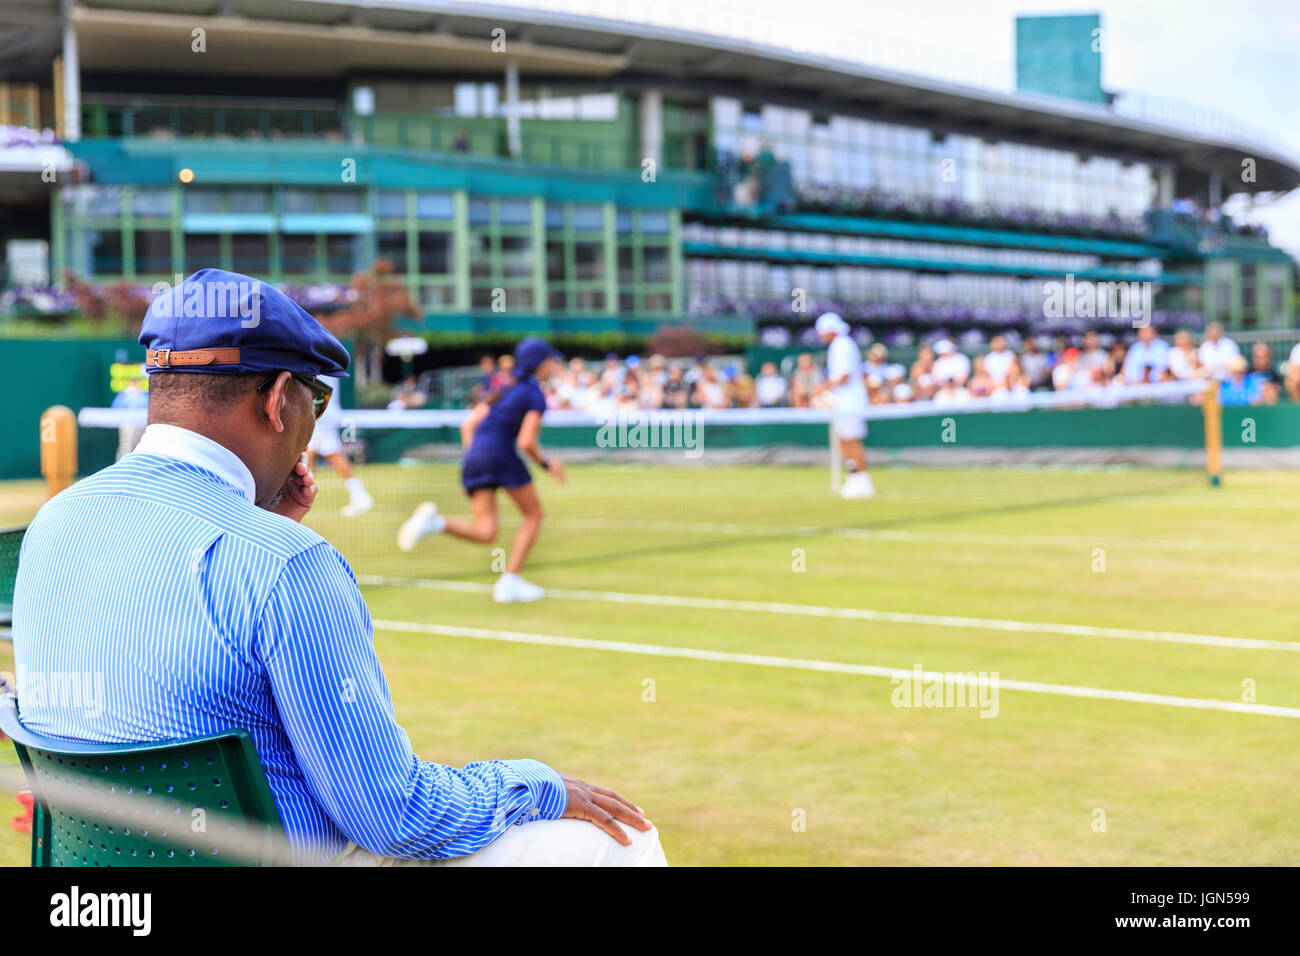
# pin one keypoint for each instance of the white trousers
(543, 843)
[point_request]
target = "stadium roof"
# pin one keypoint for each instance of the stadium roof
(337, 37)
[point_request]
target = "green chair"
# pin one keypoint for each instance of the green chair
(169, 803)
(11, 541)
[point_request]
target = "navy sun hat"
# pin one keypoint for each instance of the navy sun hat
(223, 323)
(532, 352)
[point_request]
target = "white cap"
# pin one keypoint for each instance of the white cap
(944, 347)
(831, 322)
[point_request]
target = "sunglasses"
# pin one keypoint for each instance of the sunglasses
(320, 392)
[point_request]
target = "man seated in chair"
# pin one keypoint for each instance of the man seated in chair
(182, 579)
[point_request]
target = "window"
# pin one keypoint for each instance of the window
(502, 254)
(153, 251)
(588, 217)
(202, 251)
(517, 256)
(480, 257)
(152, 203)
(250, 254)
(434, 297)
(250, 200)
(516, 212)
(589, 260)
(203, 200)
(555, 271)
(654, 223)
(475, 99)
(434, 206)
(392, 246)
(645, 267)
(390, 204)
(342, 254)
(103, 202)
(298, 201)
(435, 253)
(105, 251)
(655, 264)
(575, 257)
(341, 201)
(298, 253)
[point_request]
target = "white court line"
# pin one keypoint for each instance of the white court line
(855, 614)
(1209, 504)
(795, 663)
(948, 537)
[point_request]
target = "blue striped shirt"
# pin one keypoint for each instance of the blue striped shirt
(155, 601)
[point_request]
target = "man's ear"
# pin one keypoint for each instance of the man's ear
(274, 400)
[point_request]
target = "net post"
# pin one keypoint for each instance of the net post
(837, 460)
(1212, 411)
(58, 448)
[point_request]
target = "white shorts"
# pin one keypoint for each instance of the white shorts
(325, 441)
(849, 427)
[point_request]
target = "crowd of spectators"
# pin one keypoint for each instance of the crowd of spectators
(940, 372)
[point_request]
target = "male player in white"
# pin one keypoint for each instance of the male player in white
(848, 392)
(325, 441)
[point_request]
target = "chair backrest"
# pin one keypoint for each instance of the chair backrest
(11, 541)
(169, 803)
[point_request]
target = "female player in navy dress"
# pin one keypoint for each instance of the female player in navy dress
(508, 421)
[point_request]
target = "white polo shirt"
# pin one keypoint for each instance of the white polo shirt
(844, 358)
(1215, 356)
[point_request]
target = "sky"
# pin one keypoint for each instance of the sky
(1235, 57)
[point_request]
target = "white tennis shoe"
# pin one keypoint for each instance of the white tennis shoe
(424, 521)
(858, 485)
(359, 505)
(511, 589)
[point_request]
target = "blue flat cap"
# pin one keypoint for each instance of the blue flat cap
(223, 323)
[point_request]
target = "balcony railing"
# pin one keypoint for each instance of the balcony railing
(186, 121)
(541, 141)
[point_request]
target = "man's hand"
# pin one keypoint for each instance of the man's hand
(298, 493)
(602, 807)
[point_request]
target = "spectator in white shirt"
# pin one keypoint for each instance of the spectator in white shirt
(950, 363)
(1093, 355)
(1291, 382)
(1217, 351)
(999, 361)
(1147, 358)
(1067, 375)
(950, 393)
(877, 356)
(710, 392)
(771, 386)
(1183, 360)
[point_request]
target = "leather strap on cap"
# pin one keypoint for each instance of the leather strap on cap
(167, 358)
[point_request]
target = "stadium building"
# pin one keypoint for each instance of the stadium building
(528, 171)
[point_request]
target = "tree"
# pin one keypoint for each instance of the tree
(381, 298)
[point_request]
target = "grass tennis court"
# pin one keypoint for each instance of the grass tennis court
(952, 570)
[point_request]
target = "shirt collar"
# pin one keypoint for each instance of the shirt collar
(172, 441)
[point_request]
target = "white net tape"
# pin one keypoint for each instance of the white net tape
(1109, 397)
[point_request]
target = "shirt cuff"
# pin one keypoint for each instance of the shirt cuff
(549, 797)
